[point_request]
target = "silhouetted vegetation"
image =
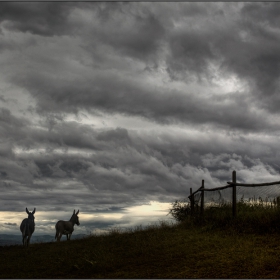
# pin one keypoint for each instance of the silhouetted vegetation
(180, 210)
(253, 216)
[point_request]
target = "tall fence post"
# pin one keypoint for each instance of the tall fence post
(278, 201)
(234, 194)
(192, 202)
(202, 199)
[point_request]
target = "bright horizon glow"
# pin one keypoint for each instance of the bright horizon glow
(45, 222)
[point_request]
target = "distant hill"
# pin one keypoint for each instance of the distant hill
(10, 239)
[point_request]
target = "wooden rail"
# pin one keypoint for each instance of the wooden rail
(210, 190)
(254, 185)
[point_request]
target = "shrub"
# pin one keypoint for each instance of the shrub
(180, 210)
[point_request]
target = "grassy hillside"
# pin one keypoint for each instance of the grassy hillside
(185, 250)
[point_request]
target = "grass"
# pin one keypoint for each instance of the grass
(257, 217)
(253, 216)
(216, 246)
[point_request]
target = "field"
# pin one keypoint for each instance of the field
(216, 246)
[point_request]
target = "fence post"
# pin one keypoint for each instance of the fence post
(192, 202)
(278, 201)
(234, 194)
(202, 199)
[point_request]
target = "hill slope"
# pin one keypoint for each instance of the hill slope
(156, 252)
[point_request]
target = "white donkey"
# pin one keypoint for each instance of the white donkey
(27, 227)
(66, 227)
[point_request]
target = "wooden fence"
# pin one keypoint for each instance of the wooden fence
(231, 184)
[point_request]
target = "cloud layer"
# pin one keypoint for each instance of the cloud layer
(112, 105)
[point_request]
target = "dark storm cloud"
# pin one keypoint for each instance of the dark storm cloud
(145, 35)
(133, 98)
(112, 173)
(249, 50)
(188, 81)
(265, 12)
(119, 166)
(8, 121)
(190, 52)
(139, 32)
(119, 136)
(46, 19)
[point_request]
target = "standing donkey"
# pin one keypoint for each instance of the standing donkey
(27, 227)
(66, 227)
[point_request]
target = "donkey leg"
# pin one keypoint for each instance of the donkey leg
(28, 239)
(59, 236)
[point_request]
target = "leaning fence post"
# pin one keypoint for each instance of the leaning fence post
(192, 201)
(202, 199)
(234, 193)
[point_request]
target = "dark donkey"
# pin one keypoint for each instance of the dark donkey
(27, 227)
(66, 227)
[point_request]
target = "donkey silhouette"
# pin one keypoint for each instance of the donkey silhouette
(27, 227)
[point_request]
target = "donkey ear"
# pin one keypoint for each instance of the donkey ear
(34, 211)
(78, 212)
(74, 211)
(27, 210)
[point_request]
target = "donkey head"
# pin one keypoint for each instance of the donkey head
(75, 218)
(31, 214)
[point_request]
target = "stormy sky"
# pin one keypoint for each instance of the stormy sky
(118, 109)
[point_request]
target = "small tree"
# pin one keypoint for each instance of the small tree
(180, 210)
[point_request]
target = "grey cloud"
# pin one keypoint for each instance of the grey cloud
(3, 99)
(47, 19)
(248, 171)
(62, 135)
(8, 120)
(259, 60)
(121, 171)
(112, 209)
(132, 98)
(10, 224)
(12, 130)
(248, 50)
(188, 52)
(113, 164)
(139, 32)
(117, 136)
(264, 12)
(133, 177)
(171, 66)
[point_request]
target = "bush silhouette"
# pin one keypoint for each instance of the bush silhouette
(180, 210)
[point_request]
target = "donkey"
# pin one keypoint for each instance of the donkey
(66, 227)
(27, 227)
